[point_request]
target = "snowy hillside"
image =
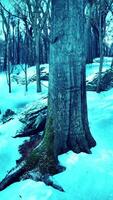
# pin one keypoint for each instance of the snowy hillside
(87, 177)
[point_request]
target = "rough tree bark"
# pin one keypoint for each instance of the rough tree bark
(67, 124)
(67, 98)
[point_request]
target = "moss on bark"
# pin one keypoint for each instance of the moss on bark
(43, 157)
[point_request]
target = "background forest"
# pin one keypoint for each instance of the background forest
(56, 99)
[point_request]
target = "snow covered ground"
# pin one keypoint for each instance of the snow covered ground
(93, 68)
(19, 98)
(87, 177)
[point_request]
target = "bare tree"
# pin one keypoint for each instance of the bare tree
(103, 10)
(6, 31)
(38, 18)
(36, 12)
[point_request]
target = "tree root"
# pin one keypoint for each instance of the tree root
(12, 177)
(49, 182)
(16, 175)
(37, 176)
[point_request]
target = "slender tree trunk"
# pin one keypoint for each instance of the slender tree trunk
(90, 47)
(101, 53)
(46, 44)
(8, 64)
(5, 56)
(8, 55)
(27, 58)
(95, 44)
(26, 79)
(38, 81)
(111, 64)
(18, 44)
(13, 45)
(9, 75)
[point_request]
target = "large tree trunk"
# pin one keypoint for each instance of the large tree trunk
(67, 98)
(67, 125)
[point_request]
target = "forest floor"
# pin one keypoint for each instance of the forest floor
(87, 177)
